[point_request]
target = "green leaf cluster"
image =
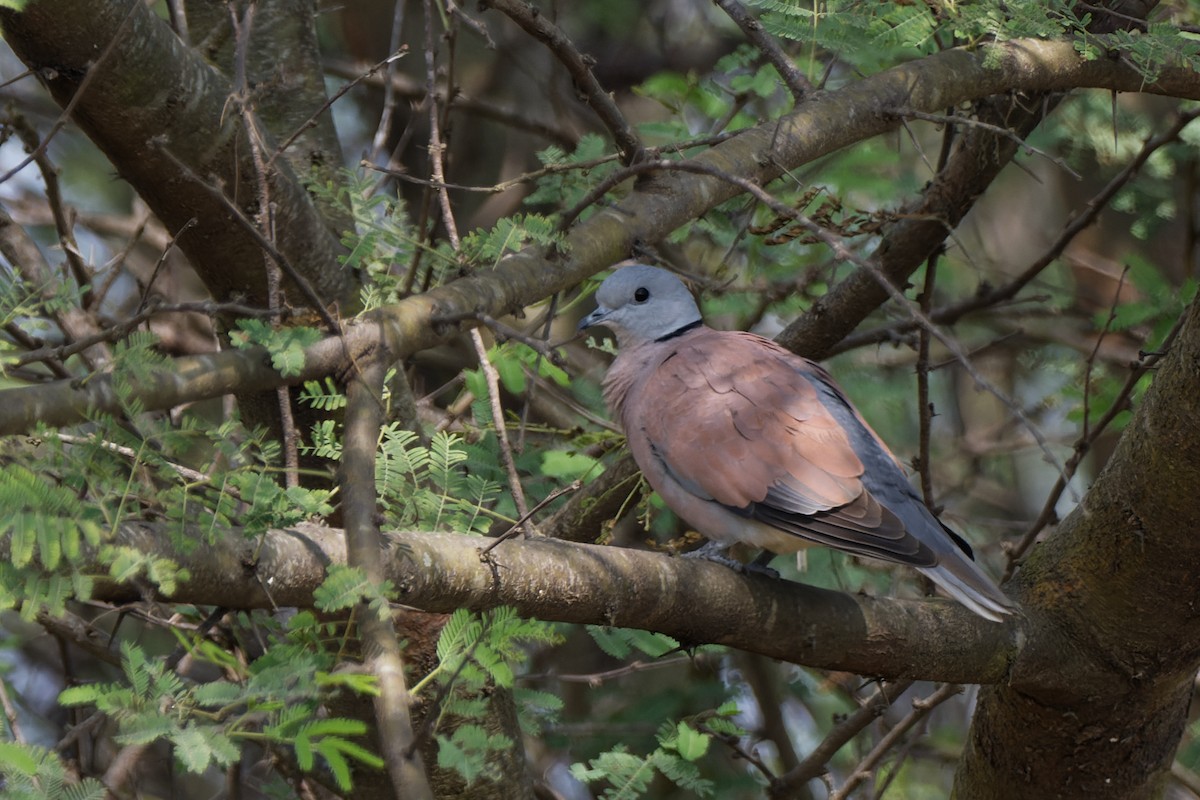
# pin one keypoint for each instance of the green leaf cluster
(628, 776)
(275, 699)
(285, 345)
(346, 587)
(382, 240)
(570, 176)
(68, 495)
(871, 36)
(155, 703)
(509, 235)
(476, 652)
(35, 773)
(426, 487)
(620, 643)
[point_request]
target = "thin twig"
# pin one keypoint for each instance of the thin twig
(311, 122)
(121, 329)
(63, 219)
(921, 709)
(580, 68)
(437, 149)
(999, 130)
(27, 259)
(793, 78)
(549, 169)
(512, 117)
(496, 188)
(733, 743)
(383, 131)
(924, 406)
(128, 452)
(790, 785)
(113, 268)
(472, 24)
(1090, 362)
(595, 679)
(243, 99)
(506, 457)
(162, 261)
(10, 714)
(69, 108)
(1083, 444)
(505, 332)
(574, 486)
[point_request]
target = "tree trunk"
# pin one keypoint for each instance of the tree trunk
(1098, 697)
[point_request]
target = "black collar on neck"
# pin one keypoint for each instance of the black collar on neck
(680, 331)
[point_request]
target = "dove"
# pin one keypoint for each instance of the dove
(750, 443)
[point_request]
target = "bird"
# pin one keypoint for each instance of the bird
(751, 443)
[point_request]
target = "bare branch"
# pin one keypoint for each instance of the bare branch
(694, 601)
(647, 214)
(789, 786)
(365, 550)
(793, 78)
(921, 709)
(579, 66)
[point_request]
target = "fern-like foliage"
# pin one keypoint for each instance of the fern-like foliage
(35, 773)
(621, 642)
(286, 345)
(383, 240)
(44, 521)
(475, 652)
(45, 527)
(426, 487)
(208, 723)
(628, 776)
(510, 235)
(570, 176)
(324, 396)
(346, 587)
(875, 35)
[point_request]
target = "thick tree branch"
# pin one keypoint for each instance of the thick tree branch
(1111, 598)
(657, 207)
(695, 601)
(154, 89)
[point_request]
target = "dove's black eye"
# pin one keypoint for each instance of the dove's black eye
(641, 294)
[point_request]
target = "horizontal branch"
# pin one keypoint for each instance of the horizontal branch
(696, 602)
(655, 208)
(186, 379)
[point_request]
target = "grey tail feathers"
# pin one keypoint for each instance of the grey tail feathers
(967, 584)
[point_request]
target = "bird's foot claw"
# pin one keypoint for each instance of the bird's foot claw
(719, 553)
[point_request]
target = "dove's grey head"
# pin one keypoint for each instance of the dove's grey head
(643, 304)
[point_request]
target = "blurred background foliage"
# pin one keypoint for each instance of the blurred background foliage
(634, 713)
